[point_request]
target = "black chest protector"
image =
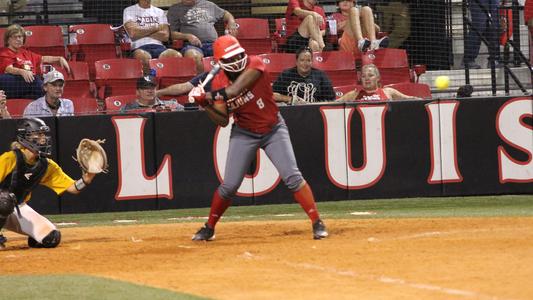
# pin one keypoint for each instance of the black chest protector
(24, 177)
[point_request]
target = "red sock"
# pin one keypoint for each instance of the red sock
(218, 207)
(305, 197)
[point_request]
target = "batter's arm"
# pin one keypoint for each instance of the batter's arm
(218, 113)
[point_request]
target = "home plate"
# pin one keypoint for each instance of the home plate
(124, 221)
(284, 215)
(362, 213)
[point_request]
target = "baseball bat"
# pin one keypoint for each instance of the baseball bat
(209, 77)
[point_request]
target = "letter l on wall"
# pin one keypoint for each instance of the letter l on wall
(130, 151)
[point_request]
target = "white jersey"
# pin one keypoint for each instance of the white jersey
(145, 17)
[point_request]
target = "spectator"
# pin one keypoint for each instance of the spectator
(148, 28)
(20, 68)
(4, 113)
(396, 21)
(51, 104)
(303, 84)
(358, 28)
(372, 91)
(305, 25)
(482, 25)
(193, 21)
(10, 6)
(147, 99)
(185, 87)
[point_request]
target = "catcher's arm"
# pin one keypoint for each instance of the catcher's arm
(85, 180)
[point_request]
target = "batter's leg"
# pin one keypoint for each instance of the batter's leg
(278, 148)
(241, 151)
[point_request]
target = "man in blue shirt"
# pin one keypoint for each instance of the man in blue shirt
(51, 104)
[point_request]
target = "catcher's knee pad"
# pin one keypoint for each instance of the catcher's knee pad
(7, 204)
(50, 241)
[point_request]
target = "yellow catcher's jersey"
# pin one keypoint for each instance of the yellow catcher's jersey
(54, 178)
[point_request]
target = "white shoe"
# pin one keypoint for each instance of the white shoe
(363, 45)
(381, 43)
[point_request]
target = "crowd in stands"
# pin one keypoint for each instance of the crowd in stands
(187, 31)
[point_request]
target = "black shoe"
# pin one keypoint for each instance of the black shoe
(319, 230)
(497, 64)
(471, 65)
(3, 241)
(205, 233)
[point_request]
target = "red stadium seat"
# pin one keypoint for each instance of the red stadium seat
(254, 35)
(117, 76)
(413, 89)
(77, 83)
(392, 63)
(341, 90)
(16, 106)
(45, 40)
(338, 65)
(172, 70)
(85, 106)
(277, 62)
(113, 104)
(208, 63)
(92, 42)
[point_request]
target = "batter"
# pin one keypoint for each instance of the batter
(243, 88)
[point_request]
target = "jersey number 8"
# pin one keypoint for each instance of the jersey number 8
(260, 103)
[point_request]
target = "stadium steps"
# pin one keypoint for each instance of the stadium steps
(53, 19)
(480, 79)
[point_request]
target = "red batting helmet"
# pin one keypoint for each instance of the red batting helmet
(226, 47)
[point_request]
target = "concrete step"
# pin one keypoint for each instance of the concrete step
(481, 81)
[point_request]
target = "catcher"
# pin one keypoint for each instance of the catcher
(27, 165)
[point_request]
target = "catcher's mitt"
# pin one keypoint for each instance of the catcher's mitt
(91, 156)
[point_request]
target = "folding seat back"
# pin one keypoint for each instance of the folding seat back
(208, 63)
(16, 106)
(77, 82)
(113, 104)
(392, 63)
(413, 89)
(85, 106)
(342, 90)
(172, 70)
(338, 65)
(117, 76)
(254, 35)
(92, 42)
(277, 62)
(45, 40)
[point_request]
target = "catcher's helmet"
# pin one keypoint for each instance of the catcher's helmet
(229, 53)
(34, 134)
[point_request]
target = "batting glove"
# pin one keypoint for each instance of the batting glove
(197, 94)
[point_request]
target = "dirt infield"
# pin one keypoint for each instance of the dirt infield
(445, 258)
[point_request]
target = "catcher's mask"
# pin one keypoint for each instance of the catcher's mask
(34, 134)
(229, 53)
